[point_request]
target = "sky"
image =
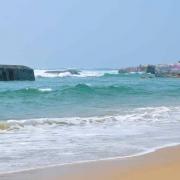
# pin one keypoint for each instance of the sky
(89, 33)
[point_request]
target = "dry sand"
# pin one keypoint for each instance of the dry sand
(163, 164)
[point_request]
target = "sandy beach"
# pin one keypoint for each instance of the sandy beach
(89, 90)
(163, 164)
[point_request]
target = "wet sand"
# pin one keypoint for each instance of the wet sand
(163, 164)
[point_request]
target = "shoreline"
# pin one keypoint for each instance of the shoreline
(152, 150)
(96, 167)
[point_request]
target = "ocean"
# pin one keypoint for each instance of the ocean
(98, 114)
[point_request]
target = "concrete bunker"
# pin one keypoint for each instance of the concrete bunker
(15, 73)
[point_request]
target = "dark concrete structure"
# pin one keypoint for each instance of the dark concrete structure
(151, 69)
(16, 73)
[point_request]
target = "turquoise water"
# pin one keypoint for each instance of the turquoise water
(86, 96)
(94, 115)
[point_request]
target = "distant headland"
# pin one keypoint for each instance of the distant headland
(16, 73)
(159, 70)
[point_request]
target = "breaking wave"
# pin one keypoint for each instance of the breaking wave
(103, 90)
(25, 91)
(45, 89)
(145, 115)
(68, 73)
(81, 89)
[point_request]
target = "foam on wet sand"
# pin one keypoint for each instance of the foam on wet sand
(163, 164)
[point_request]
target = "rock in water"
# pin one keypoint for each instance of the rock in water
(160, 70)
(15, 73)
(71, 71)
(168, 70)
(151, 69)
(137, 69)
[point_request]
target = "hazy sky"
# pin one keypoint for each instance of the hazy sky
(89, 33)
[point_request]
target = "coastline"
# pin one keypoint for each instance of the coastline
(163, 163)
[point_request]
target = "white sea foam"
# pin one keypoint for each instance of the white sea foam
(83, 73)
(138, 131)
(45, 89)
(145, 152)
(145, 115)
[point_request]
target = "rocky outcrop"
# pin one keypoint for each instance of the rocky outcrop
(133, 69)
(71, 71)
(160, 70)
(15, 73)
(168, 70)
(140, 68)
(150, 69)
